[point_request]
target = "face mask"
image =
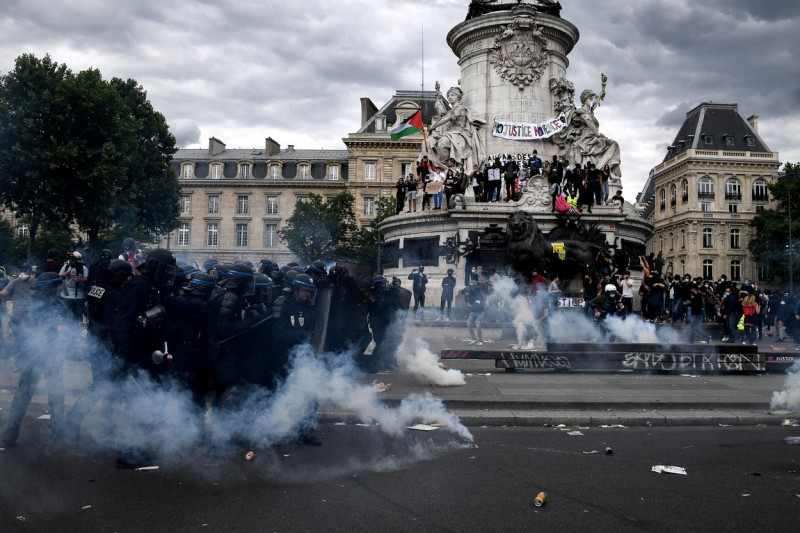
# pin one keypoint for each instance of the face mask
(24, 276)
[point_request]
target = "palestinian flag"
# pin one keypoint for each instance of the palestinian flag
(412, 124)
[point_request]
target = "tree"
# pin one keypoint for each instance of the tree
(33, 145)
(324, 230)
(770, 245)
(76, 149)
(365, 242)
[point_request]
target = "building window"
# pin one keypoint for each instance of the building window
(272, 205)
(369, 205)
(216, 171)
(705, 189)
(733, 189)
(708, 139)
(333, 172)
(244, 171)
(685, 195)
(736, 270)
(735, 240)
(406, 169)
(729, 140)
(213, 204)
(683, 266)
(380, 123)
(241, 205)
(663, 199)
(673, 196)
(671, 242)
(733, 208)
(708, 269)
(183, 234)
(683, 239)
(241, 234)
(304, 172)
(707, 238)
(188, 171)
(369, 171)
(751, 141)
(212, 234)
(186, 204)
(271, 235)
(705, 206)
(760, 191)
(760, 208)
(302, 199)
(274, 171)
(23, 230)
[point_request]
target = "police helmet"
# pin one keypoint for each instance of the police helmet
(289, 277)
(450, 271)
(298, 269)
(396, 281)
(304, 289)
(46, 283)
(201, 284)
(610, 288)
(379, 282)
(129, 244)
(104, 255)
(237, 277)
(318, 268)
(160, 265)
(120, 270)
(265, 288)
(265, 266)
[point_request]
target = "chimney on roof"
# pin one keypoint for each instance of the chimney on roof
(215, 146)
(290, 147)
(272, 146)
(367, 110)
(753, 120)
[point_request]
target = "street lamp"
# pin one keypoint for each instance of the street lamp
(791, 247)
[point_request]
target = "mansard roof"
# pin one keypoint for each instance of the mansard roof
(425, 100)
(716, 123)
(256, 154)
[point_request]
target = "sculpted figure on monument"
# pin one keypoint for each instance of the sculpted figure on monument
(582, 141)
(455, 136)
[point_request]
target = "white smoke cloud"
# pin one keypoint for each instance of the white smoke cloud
(789, 397)
(415, 357)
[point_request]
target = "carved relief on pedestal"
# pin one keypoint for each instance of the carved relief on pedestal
(519, 54)
(536, 195)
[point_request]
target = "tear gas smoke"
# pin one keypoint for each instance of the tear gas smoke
(414, 357)
(139, 412)
(570, 325)
(789, 397)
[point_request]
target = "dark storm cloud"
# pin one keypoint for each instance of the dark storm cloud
(242, 70)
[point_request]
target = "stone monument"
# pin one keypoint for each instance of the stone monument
(513, 58)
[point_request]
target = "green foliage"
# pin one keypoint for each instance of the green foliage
(7, 256)
(75, 148)
(771, 241)
(328, 230)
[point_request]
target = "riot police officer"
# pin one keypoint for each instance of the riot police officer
(386, 322)
(292, 325)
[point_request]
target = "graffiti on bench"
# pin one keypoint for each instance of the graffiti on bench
(532, 360)
(692, 361)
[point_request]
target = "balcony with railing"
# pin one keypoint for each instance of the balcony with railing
(760, 197)
(733, 196)
(705, 195)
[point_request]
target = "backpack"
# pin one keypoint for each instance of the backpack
(561, 204)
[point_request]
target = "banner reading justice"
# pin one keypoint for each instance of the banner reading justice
(518, 131)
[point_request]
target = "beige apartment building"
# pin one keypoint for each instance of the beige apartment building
(702, 196)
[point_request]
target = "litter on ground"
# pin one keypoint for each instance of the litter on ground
(423, 427)
(662, 469)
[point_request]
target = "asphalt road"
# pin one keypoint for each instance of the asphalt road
(738, 479)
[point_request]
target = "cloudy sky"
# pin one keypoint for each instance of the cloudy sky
(243, 70)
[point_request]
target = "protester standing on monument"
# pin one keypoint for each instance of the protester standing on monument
(477, 181)
(411, 193)
(470, 256)
(605, 177)
(400, 187)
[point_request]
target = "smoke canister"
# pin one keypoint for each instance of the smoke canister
(249, 456)
(609, 451)
(540, 499)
